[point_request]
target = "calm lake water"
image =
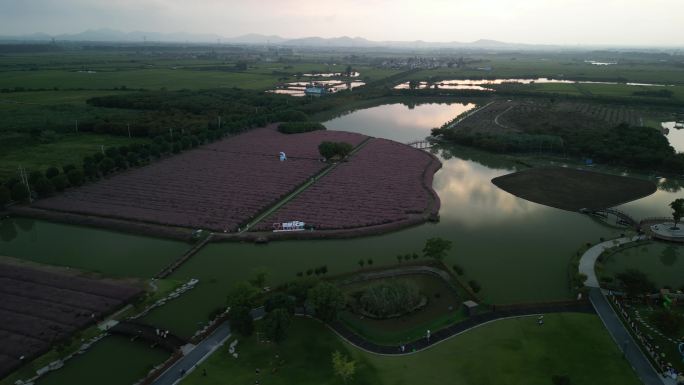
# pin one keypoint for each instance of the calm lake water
(517, 250)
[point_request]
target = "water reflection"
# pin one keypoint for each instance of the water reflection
(400, 122)
(7, 230)
(469, 197)
(669, 255)
(674, 131)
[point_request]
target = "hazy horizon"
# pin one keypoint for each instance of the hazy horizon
(562, 22)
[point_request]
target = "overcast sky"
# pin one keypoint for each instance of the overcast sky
(617, 22)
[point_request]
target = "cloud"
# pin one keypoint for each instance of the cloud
(534, 21)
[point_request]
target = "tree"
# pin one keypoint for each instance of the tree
(330, 150)
(276, 324)
(677, 207)
(343, 366)
(361, 263)
(241, 321)
(242, 294)
(348, 71)
(19, 192)
(436, 248)
(75, 177)
(280, 301)
(413, 84)
(259, 278)
(635, 283)
(327, 300)
(5, 196)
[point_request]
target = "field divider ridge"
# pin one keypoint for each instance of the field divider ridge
(276, 206)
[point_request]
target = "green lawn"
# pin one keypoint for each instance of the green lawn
(515, 351)
(66, 149)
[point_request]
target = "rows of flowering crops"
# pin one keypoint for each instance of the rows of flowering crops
(384, 182)
(38, 309)
(215, 187)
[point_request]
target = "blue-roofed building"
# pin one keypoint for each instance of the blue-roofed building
(315, 91)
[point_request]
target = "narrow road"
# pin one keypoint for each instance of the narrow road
(199, 353)
(496, 119)
(633, 354)
(173, 374)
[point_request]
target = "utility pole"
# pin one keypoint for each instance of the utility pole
(129, 130)
(76, 125)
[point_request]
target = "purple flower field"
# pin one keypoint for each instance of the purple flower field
(384, 182)
(40, 308)
(215, 187)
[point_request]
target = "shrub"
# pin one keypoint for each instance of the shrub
(635, 282)
(51, 172)
(458, 269)
(475, 286)
(44, 187)
(299, 127)
(330, 150)
(106, 165)
(60, 182)
(68, 167)
(390, 299)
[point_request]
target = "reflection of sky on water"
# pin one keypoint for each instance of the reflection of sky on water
(468, 195)
(398, 121)
(675, 136)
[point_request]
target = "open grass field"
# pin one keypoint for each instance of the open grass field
(515, 351)
(572, 190)
(105, 252)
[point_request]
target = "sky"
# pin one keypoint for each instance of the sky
(566, 22)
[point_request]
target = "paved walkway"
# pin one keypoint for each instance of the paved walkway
(173, 374)
(643, 368)
(588, 260)
(199, 353)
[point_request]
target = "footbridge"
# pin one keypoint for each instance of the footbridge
(623, 217)
(420, 144)
(158, 337)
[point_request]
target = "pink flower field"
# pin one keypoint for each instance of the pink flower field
(217, 187)
(384, 182)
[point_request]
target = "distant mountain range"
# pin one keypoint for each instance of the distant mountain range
(111, 35)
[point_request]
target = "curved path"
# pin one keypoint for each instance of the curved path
(186, 364)
(588, 260)
(623, 339)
